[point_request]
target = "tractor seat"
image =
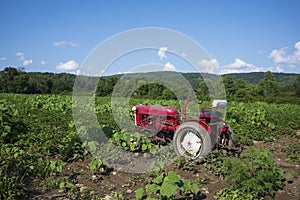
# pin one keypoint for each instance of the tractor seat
(204, 114)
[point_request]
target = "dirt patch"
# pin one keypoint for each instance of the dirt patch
(128, 183)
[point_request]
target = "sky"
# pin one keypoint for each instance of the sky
(239, 36)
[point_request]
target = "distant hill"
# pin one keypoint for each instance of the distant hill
(250, 78)
(255, 77)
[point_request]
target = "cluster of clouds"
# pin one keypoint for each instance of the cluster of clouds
(168, 66)
(24, 61)
(69, 65)
(281, 58)
(237, 66)
(281, 62)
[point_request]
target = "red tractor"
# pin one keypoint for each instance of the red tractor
(193, 137)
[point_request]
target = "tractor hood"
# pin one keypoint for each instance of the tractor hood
(155, 110)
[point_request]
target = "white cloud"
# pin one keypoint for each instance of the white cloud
(20, 55)
(65, 44)
(27, 62)
(297, 52)
(162, 52)
(281, 57)
(239, 66)
(24, 61)
(279, 69)
(2, 58)
(76, 72)
(43, 62)
(209, 65)
(169, 67)
(68, 66)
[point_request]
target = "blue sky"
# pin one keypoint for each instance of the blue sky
(240, 36)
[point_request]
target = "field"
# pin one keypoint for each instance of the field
(42, 156)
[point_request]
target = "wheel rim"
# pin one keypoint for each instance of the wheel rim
(190, 144)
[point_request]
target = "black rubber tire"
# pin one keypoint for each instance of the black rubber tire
(203, 135)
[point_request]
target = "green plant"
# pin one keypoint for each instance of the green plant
(167, 185)
(11, 187)
(185, 164)
(255, 173)
(215, 161)
(117, 196)
(133, 142)
(233, 194)
(56, 166)
(96, 166)
(293, 153)
(65, 185)
(157, 166)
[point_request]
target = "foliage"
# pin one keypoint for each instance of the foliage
(167, 185)
(233, 194)
(96, 166)
(254, 175)
(293, 153)
(185, 164)
(11, 187)
(133, 142)
(262, 121)
(38, 139)
(56, 166)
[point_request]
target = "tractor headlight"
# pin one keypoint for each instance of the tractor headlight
(133, 108)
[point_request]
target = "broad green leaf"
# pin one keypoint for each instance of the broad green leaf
(139, 193)
(158, 179)
(172, 177)
(62, 185)
(144, 147)
(153, 188)
(168, 189)
(153, 151)
(195, 188)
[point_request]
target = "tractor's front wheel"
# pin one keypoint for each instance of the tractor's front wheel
(192, 140)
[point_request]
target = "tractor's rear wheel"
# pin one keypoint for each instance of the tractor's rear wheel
(192, 140)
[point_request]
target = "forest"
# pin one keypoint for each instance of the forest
(246, 87)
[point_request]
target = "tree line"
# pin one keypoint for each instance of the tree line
(248, 87)
(14, 80)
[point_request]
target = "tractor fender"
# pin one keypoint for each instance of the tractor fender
(203, 124)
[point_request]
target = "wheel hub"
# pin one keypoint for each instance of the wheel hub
(191, 143)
